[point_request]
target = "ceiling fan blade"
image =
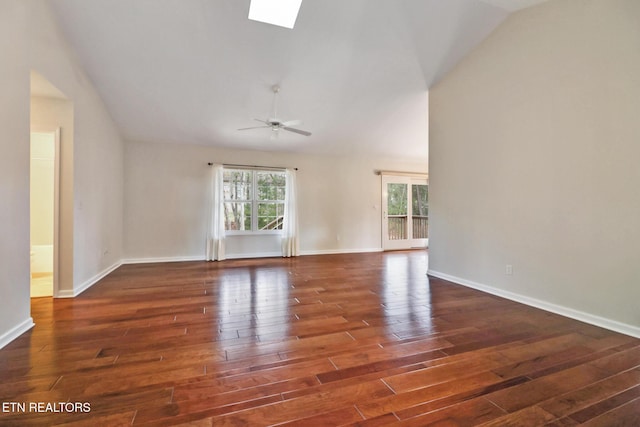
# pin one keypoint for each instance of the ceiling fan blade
(262, 121)
(254, 127)
(301, 132)
(291, 123)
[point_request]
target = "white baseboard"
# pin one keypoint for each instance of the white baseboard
(88, 283)
(162, 259)
(199, 258)
(15, 332)
(255, 255)
(247, 255)
(592, 319)
(340, 251)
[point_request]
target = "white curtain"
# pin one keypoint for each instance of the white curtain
(215, 233)
(290, 220)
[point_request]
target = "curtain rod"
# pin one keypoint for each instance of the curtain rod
(403, 173)
(252, 166)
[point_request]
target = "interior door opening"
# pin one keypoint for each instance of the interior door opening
(44, 188)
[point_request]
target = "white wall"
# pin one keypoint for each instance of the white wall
(167, 195)
(97, 154)
(14, 171)
(30, 39)
(534, 162)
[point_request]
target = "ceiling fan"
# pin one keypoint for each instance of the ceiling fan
(276, 124)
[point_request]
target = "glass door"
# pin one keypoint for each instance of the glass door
(405, 212)
(419, 213)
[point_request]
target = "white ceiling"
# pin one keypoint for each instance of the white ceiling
(513, 5)
(355, 71)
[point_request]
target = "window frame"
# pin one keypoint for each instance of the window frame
(254, 202)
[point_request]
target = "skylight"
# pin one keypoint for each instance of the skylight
(282, 13)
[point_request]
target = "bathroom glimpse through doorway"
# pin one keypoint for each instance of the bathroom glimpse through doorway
(44, 189)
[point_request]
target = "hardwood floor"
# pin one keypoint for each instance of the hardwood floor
(362, 339)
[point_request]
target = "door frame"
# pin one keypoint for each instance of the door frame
(56, 213)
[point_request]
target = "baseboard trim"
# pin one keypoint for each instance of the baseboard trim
(16, 331)
(88, 283)
(249, 255)
(340, 251)
(582, 316)
(162, 259)
(200, 258)
(254, 255)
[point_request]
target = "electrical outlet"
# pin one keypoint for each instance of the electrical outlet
(508, 270)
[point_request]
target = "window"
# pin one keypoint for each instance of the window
(253, 200)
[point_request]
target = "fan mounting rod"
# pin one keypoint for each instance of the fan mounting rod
(276, 90)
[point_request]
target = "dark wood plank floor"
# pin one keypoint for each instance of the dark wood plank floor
(364, 339)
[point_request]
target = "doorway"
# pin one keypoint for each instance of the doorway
(44, 196)
(405, 213)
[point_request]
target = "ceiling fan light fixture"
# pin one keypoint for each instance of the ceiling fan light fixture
(277, 124)
(282, 13)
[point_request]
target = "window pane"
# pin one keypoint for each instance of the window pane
(270, 216)
(397, 199)
(420, 206)
(238, 185)
(253, 199)
(237, 216)
(270, 185)
(420, 197)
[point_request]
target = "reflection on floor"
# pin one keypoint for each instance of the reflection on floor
(318, 340)
(42, 285)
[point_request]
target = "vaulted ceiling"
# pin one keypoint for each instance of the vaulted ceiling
(357, 72)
